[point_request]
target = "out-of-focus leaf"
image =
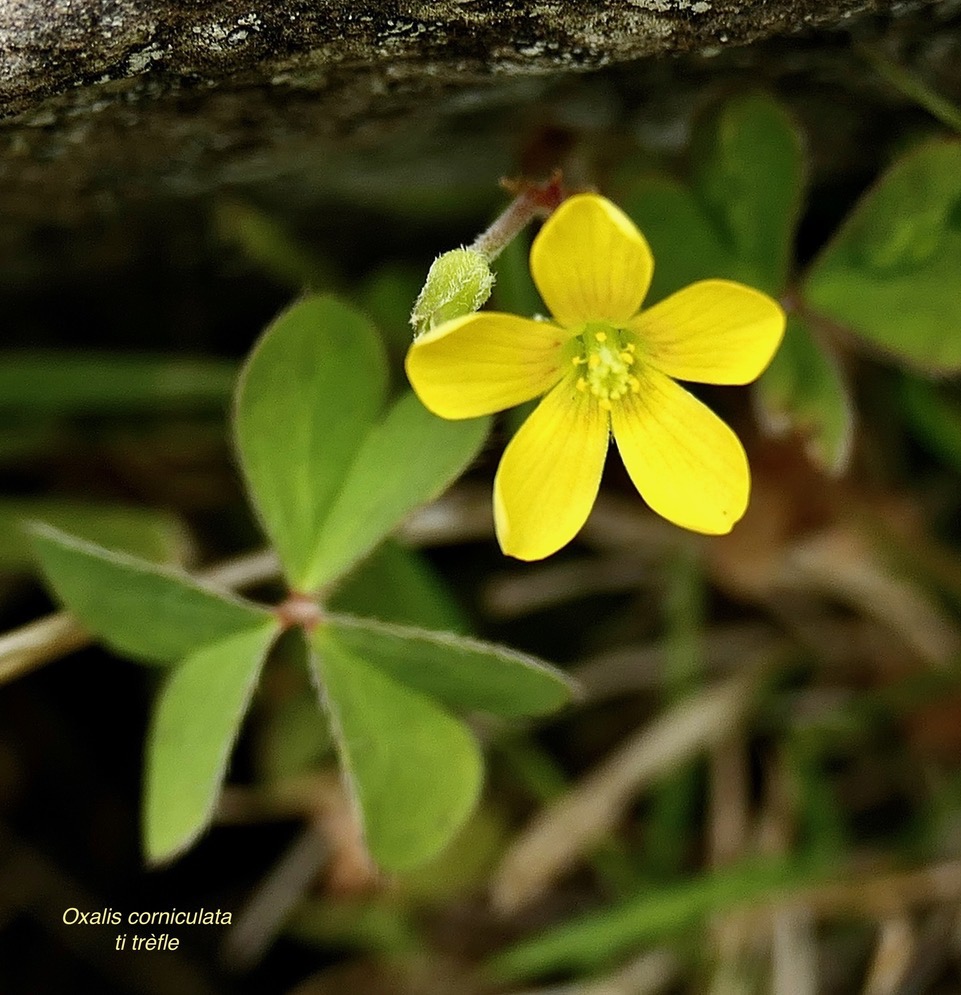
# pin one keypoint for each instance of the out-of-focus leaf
(935, 419)
(388, 296)
(891, 272)
(749, 176)
(307, 397)
(803, 390)
(140, 610)
(396, 584)
(685, 243)
(145, 532)
(377, 924)
(414, 770)
(736, 220)
(595, 939)
(70, 383)
(274, 249)
(294, 738)
(191, 736)
(23, 438)
(407, 458)
(464, 865)
(464, 673)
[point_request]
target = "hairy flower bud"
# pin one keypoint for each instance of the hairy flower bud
(458, 283)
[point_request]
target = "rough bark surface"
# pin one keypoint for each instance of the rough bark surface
(111, 104)
(51, 46)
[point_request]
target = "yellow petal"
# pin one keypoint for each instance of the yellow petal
(483, 363)
(687, 464)
(590, 263)
(715, 331)
(549, 475)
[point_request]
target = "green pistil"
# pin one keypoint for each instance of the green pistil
(604, 357)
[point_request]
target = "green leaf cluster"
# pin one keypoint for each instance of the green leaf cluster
(890, 275)
(736, 220)
(888, 280)
(333, 465)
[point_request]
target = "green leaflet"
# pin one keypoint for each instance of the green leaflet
(145, 532)
(140, 610)
(308, 394)
(407, 458)
(329, 478)
(63, 383)
(463, 673)
(195, 723)
(803, 390)
(685, 243)
(890, 275)
(749, 179)
(414, 770)
(736, 219)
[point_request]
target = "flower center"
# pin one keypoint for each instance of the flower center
(603, 358)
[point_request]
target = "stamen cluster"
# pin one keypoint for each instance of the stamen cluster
(608, 359)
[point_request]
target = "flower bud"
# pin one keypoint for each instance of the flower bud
(458, 283)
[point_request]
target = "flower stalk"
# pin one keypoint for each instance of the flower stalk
(460, 281)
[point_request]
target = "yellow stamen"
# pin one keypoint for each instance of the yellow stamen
(608, 360)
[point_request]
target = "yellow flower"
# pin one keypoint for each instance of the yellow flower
(604, 367)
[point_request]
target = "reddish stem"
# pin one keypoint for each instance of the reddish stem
(531, 200)
(300, 610)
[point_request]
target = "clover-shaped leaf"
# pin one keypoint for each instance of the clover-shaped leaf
(890, 275)
(463, 673)
(329, 473)
(414, 770)
(195, 723)
(140, 610)
(307, 396)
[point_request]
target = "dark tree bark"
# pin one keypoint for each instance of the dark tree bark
(110, 104)
(52, 46)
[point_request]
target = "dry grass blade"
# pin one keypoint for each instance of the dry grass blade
(844, 564)
(648, 974)
(513, 595)
(39, 642)
(567, 829)
(892, 957)
(724, 649)
(794, 967)
(880, 896)
(271, 903)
